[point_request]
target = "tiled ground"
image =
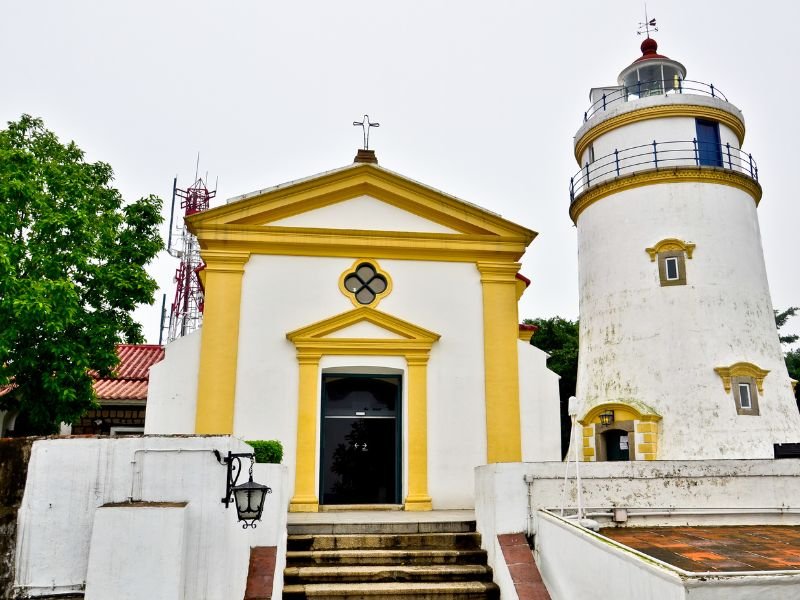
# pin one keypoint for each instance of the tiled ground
(739, 548)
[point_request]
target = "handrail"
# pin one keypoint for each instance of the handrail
(657, 155)
(655, 87)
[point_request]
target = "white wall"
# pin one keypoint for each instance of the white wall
(539, 406)
(443, 297)
(172, 388)
(659, 345)
(362, 212)
(575, 563)
(69, 479)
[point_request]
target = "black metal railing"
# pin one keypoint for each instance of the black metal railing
(661, 155)
(656, 87)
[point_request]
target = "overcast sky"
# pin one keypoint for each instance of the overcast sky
(478, 99)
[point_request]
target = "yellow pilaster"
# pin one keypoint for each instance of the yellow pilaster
(305, 480)
(216, 384)
(500, 335)
(418, 498)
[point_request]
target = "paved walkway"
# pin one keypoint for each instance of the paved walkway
(726, 548)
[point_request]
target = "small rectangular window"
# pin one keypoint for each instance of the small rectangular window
(744, 396)
(671, 265)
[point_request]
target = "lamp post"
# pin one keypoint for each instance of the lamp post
(249, 496)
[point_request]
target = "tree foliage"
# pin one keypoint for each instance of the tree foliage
(559, 338)
(72, 258)
(780, 320)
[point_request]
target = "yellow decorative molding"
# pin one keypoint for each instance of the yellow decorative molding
(668, 245)
(794, 384)
(501, 370)
(312, 342)
(216, 380)
(274, 204)
(309, 241)
(741, 369)
(671, 175)
(378, 297)
(526, 335)
(659, 112)
(635, 411)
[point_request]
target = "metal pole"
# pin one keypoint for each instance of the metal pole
(172, 212)
(712, 91)
(163, 314)
(696, 153)
(616, 160)
(730, 164)
(655, 153)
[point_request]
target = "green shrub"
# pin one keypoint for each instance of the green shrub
(267, 451)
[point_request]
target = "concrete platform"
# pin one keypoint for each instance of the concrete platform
(381, 521)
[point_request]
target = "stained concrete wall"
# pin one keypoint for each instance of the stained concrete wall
(70, 479)
(14, 456)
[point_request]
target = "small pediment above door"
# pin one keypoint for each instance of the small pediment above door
(372, 331)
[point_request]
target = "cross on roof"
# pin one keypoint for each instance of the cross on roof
(365, 125)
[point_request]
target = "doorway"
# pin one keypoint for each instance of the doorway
(360, 439)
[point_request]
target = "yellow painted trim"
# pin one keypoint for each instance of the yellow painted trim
(640, 412)
(659, 112)
(501, 369)
(358, 180)
(669, 245)
(312, 342)
(216, 381)
(299, 241)
(305, 486)
(526, 335)
(741, 369)
(588, 453)
(794, 384)
(378, 297)
(417, 498)
(671, 175)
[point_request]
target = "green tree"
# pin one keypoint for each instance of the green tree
(72, 257)
(780, 320)
(559, 338)
(792, 357)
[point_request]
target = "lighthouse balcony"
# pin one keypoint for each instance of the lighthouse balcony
(692, 158)
(606, 99)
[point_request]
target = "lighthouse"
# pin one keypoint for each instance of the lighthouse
(679, 355)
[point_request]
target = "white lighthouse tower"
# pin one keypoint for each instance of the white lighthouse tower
(679, 355)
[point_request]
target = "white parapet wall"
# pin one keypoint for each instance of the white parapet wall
(509, 496)
(578, 563)
(91, 503)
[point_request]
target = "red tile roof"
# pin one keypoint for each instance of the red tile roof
(129, 382)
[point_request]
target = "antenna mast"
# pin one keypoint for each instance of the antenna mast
(186, 312)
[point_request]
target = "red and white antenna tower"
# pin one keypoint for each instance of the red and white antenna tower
(186, 312)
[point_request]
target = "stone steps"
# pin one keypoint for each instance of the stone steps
(374, 541)
(411, 561)
(410, 591)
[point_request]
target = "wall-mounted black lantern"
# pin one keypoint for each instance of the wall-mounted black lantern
(607, 417)
(249, 497)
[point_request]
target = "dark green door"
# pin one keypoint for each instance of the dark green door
(360, 462)
(617, 444)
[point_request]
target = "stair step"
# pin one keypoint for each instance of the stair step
(385, 541)
(381, 528)
(472, 590)
(388, 573)
(385, 557)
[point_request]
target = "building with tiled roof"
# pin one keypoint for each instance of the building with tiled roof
(122, 397)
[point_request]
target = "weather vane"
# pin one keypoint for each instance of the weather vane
(365, 125)
(644, 28)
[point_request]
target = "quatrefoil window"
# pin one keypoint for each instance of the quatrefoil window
(365, 283)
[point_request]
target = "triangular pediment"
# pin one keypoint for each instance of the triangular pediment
(304, 205)
(362, 322)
